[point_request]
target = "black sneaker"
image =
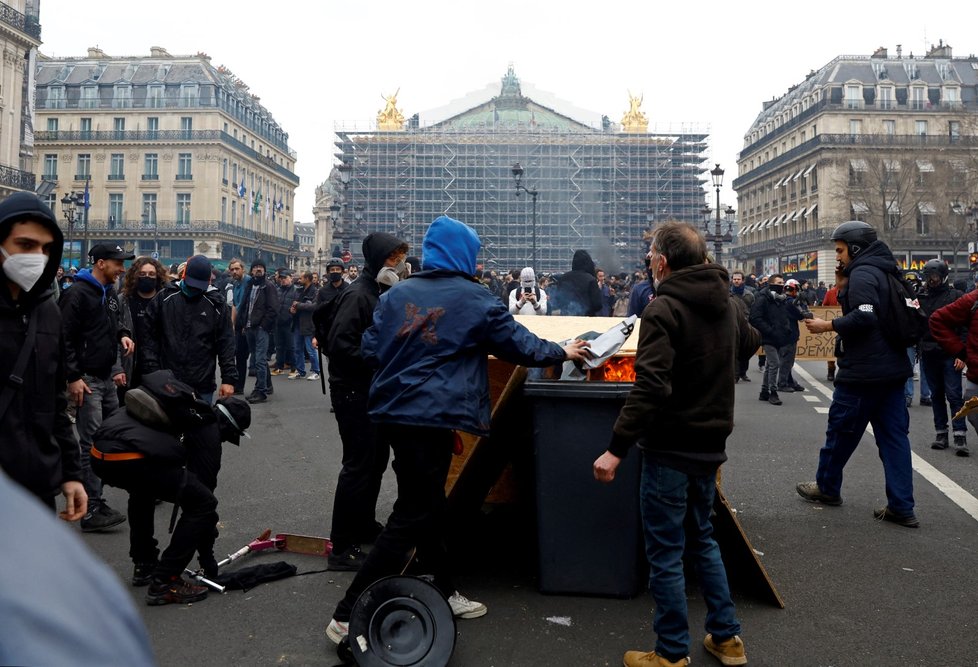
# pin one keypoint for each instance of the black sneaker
(774, 399)
(348, 560)
(961, 446)
(744, 378)
(907, 521)
(785, 388)
(764, 395)
(940, 441)
(142, 573)
(175, 590)
(257, 397)
(101, 517)
(810, 492)
(798, 387)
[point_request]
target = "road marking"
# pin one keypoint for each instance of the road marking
(812, 399)
(941, 482)
(821, 409)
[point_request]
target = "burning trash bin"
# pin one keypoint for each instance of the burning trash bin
(589, 534)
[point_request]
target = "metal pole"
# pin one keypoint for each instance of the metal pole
(71, 247)
(717, 239)
(86, 207)
(533, 262)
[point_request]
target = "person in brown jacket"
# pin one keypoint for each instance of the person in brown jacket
(680, 412)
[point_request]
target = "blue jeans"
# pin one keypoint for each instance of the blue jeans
(102, 402)
(924, 384)
(302, 345)
(945, 383)
(258, 348)
(853, 407)
(676, 515)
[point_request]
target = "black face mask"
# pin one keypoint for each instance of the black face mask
(335, 277)
(258, 280)
(145, 284)
(777, 289)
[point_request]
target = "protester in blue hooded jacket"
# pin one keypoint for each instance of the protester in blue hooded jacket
(430, 339)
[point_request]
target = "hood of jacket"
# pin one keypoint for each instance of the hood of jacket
(451, 245)
(876, 254)
(703, 288)
(376, 248)
(582, 262)
(23, 207)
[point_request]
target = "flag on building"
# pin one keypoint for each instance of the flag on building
(88, 202)
(256, 205)
(241, 188)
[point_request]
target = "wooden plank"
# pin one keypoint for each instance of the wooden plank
(562, 328)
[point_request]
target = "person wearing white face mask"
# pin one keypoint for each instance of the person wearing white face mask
(37, 446)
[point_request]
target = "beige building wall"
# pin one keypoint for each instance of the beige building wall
(20, 35)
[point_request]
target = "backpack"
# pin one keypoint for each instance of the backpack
(164, 402)
(902, 321)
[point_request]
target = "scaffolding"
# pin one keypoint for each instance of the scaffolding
(599, 189)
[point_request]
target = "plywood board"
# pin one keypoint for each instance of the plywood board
(561, 328)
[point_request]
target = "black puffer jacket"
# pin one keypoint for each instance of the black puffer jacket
(864, 356)
(37, 447)
(775, 318)
(307, 299)
(577, 292)
(92, 328)
(354, 312)
(120, 432)
(190, 336)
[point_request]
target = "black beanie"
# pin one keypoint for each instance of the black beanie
(258, 262)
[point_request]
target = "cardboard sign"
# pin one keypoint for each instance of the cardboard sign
(815, 347)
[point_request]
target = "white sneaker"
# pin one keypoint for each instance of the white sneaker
(293, 375)
(312, 376)
(462, 607)
(337, 630)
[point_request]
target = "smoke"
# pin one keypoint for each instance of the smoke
(605, 256)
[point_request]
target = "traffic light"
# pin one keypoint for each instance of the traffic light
(973, 259)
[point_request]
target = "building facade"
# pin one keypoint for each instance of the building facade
(586, 182)
(20, 35)
(177, 158)
(887, 140)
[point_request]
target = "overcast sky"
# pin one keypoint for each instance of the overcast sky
(314, 63)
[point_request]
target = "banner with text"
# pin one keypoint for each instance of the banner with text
(815, 347)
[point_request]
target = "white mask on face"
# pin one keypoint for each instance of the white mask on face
(24, 268)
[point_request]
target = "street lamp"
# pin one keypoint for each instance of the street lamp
(717, 174)
(518, 177)
(69, 207)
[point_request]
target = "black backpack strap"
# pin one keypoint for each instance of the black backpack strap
(16, 379)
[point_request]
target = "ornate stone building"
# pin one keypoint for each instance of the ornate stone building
(178, 157)
(888, 140)
(20, 35)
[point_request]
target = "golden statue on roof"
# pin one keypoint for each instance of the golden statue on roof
(634, 121)
(390, 119)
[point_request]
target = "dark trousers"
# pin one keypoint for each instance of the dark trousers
(365, 458)
(945, 390)
(283, 345)
(146, 481)
(241, 359)
(421, 460)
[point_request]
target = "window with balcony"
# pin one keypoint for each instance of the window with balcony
(50, 167)
(153, 126)
(189, 94)
(56, 98)
(918, 97)
(122, 97)
(84, 171)
(183, 208)
(116, 218)
(117, 162)
(954, 130)
(854, 96)
(52, 125)
(155, 96)
(89, 97)
(224, 171)
(855, 127)
(224, 210)
(151, 166)
(889, 127)
(885, 99)
(149, 209)
(920, 128)
(951, 97)
(119, 128)
(184, 167)
(85, 126)
(186, 126)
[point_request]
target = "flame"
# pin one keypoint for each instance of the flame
(619, 369)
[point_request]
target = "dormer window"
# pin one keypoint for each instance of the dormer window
(885, 98)
(854, 96)
(951, 96)
(89, 97)
(122, 97)
(918, 97)
(154, 96)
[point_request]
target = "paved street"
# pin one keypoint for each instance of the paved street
(857, 592)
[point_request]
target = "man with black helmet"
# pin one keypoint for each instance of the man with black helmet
(334, 283)
(92, 330)
(869, 380)
(943, 372)
(37, 447)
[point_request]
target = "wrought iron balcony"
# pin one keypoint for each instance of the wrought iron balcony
(16, 178)
(26, 24)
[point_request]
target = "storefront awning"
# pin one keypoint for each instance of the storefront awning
(926, 208)
(859, 165)
(859, 207)
(925, 165)
(809, 170)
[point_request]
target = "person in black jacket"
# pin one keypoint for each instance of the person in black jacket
(37, 446)
(334, 283)
(576, 292)
(943, 372)
(189, 327)
(284, 342)
(256, 318)
(143, 281)
(869, 379)
(303, 303)
(364, 455)
(91, 333)
(773, 316)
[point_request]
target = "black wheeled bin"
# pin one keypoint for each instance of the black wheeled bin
(589, 534)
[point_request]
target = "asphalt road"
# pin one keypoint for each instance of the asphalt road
(856, 591)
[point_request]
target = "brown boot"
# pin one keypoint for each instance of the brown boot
(642, 659)
(728, 652)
